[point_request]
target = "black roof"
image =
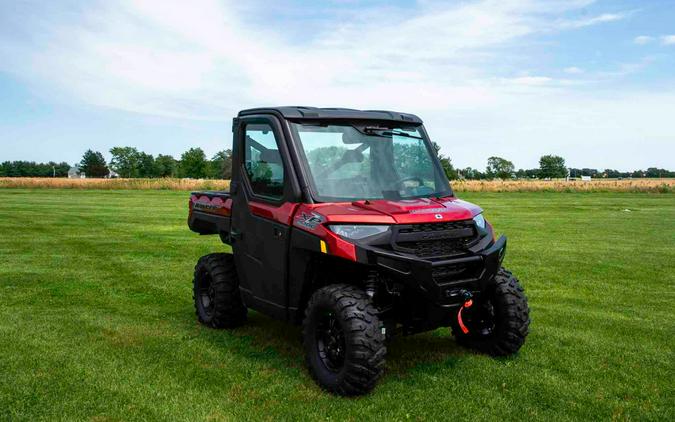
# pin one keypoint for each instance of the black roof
(315, 113)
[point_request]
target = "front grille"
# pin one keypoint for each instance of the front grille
(430, 248)
(434, 227)
(447, 274)
(436, 239)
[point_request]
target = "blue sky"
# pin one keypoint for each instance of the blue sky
(591, 81)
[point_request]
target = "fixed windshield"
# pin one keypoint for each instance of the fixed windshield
(346, 163)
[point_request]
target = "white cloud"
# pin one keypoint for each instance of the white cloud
(531, 80)
(174, 59)
(581, 23)
(643, 39)
(573, 70)
(668, 40)
(445, 63)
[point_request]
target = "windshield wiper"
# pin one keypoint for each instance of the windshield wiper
(385, 133)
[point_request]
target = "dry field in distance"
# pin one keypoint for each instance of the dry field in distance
(596, 185)
(113, 184)
(561, 185)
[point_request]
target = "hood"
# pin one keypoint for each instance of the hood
(409, 211)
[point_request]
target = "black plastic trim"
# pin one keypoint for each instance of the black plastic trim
(417, 273)
(317, 114)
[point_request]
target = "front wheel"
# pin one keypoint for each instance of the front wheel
(498, 322)
(343, 340)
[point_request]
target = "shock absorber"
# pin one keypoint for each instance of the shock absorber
(370, 284)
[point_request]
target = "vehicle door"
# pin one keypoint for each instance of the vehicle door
(262, 210)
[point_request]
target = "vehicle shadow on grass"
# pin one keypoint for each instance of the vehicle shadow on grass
(267, 337)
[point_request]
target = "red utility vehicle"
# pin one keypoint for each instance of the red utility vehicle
(344, 221)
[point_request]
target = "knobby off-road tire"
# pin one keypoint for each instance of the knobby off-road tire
(509, 313)
(216, 295)
(343, 340)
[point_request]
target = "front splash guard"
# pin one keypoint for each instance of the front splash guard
(422, 274)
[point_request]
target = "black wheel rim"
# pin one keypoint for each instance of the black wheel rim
(481, 319)
(330, 342)
(207, 294)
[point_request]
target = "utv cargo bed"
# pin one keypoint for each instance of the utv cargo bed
(210, 213)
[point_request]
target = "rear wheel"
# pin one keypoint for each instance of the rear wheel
(343, 340)
(498, 322)
(218, 302)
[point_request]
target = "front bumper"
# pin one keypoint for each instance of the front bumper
(443, 281)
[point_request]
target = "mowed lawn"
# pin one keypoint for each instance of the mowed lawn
(97, 321)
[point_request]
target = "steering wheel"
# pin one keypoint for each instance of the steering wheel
(419, 180)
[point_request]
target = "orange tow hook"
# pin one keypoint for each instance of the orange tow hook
(467, 304)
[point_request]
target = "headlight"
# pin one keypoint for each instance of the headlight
(357, 232)
(480, 221)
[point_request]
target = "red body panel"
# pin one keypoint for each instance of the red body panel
(416, 211)
(280, 213)
(339, 247)
(313, 212)
(422, 210)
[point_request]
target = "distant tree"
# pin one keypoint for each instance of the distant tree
(612, 174)
(93, 164)
(532, 173)
(448, 169)
(552, 166)
(220, 166)
(146, 165)
(165, 166)
(193, 164)
(33, 169)
(589, 172)
(574, 172)
(8, 169)
(527, 173)
(446, 164)
(57, 169)
(470, 173)
(654, 172)
(500, 168)
(125, 161)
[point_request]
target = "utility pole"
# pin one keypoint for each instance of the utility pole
(53, 171)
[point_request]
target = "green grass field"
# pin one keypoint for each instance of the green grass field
(97, 323)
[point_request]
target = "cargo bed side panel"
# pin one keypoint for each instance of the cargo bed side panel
(211, 213)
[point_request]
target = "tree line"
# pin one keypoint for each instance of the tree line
(33, 169)
(129, 162)
(550, 167)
